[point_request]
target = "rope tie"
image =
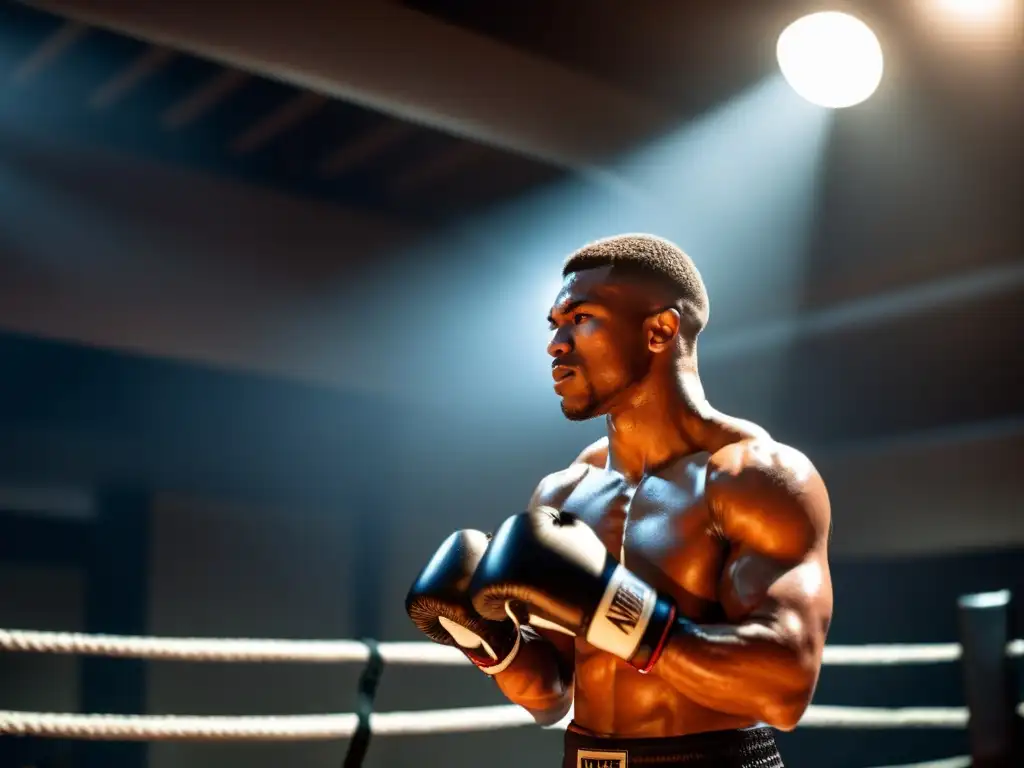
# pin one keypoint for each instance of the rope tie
(369, 681)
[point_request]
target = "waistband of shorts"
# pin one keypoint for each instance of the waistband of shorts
(746, 748)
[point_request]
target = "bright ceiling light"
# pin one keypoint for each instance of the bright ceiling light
(975, 9)
(987, 22)
(831, 59)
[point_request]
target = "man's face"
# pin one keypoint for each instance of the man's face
(597, 344)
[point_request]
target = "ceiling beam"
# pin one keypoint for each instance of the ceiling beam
(287, 116)
(203, 99)
(124, 82)
(363, 148)
(402, 63)
(48, 52)
(872, 310)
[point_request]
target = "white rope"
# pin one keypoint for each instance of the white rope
(950, 762)
(223, 649)
(324, 727)
(177, 728)
(277, 728)
(342, 651)
(885, 655)
(874, 718)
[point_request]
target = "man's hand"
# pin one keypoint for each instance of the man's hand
(439, 605)
(557, 569)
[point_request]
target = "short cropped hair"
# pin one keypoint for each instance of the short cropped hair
(652, 257)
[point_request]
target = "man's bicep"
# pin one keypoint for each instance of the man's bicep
(770, 504)
(759, 587)
(778, 573)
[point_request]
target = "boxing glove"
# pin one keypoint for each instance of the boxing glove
(439, 605)
(557, 567)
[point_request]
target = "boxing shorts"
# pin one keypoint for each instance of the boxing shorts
(750, 748)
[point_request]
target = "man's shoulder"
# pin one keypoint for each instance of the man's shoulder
(595, 454)
(761, 458)
(760, 478)
(554, 489)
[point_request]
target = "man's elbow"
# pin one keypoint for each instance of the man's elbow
(785, 707)
(783, 716)
(793, 678)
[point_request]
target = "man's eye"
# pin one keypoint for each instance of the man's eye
(580, 317)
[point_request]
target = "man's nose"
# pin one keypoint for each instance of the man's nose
(560, 344)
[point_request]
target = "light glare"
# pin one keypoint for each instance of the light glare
(974, 9)
(986, 23)
(831, 59)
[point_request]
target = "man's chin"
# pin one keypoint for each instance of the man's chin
(579, 411)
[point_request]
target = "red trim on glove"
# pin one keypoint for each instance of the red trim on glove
(660, 647)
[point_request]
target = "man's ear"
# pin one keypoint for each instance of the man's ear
(661, 330)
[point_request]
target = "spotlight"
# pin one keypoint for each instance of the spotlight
(986, 22)
(831, 59)
(974, 9)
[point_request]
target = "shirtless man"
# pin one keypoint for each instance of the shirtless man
(673, 582)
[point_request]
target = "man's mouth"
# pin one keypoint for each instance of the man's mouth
(562, 373)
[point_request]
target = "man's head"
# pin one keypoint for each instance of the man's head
(630, 306)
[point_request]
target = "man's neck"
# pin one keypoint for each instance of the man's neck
(658, 424)
(655, 425)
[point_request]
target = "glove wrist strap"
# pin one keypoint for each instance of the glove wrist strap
(662, 624)
(626, 615)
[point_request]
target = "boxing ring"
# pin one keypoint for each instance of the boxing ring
(109, 727)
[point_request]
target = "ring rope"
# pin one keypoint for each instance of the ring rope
(327, 727)
(240, 650)
(962, 761)
(335, 726)
(233, 650)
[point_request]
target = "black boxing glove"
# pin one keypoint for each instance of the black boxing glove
(557, 567)
(440, 607)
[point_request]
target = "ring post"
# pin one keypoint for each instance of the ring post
(985, 629)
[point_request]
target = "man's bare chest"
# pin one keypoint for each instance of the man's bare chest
(660, 529)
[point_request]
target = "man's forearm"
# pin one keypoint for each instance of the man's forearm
(538, 679)
(749, 670)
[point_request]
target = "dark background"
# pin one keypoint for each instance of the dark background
(272, 294)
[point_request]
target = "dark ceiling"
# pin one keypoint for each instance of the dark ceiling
(92, 86)
(690, 55)
(686, 54)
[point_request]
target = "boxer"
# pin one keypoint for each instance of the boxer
(686, 554)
